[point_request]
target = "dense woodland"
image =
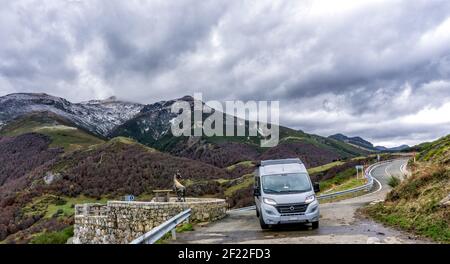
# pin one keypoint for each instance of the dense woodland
(224, 154)
(19, 156)
(111, 169)
(22, 154)
(219, 154)
(310, 154)
(118, 168)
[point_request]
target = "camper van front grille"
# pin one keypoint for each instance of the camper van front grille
(292, 208)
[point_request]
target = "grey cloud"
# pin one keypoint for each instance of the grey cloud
(358, 63)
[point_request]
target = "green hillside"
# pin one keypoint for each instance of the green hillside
(343, 149)
(62, 133)
(152, 128)
(437, 151)
(420, 203)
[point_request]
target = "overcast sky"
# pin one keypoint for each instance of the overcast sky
(372, 68)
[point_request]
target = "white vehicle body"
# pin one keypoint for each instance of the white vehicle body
(284, 193)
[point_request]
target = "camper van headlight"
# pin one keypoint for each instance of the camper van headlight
(310, 199)
(269, 201)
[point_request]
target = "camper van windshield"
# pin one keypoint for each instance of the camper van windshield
(286, 183)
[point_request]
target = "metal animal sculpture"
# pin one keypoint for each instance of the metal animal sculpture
(179, 188)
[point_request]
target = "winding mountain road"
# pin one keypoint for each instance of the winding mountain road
(339, 223)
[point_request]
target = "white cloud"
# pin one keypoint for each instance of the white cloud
(429, 116)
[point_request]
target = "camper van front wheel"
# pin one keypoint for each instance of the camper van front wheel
(261, 222)
(315, 225)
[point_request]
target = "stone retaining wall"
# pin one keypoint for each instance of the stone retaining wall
(120, 222)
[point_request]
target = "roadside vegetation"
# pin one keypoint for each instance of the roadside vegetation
(52, 206)
(185, 227)
(342, 197)
(338, 180)
(437, 151)
(348, 184)
(420, 203)
(393, 181)
(243, 182)
(57, 237)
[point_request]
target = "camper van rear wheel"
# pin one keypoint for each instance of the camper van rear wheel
(315, 225)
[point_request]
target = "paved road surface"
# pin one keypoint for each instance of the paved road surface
(339, 222)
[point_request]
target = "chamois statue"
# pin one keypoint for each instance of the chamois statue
(179, 188)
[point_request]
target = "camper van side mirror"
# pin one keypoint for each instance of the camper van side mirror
(316, 187)
(256, 192)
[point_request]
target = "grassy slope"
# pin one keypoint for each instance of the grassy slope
(247, 180)
(343, 180)
(330, 165)
(348, 184)
(50, 205)
(341, 148)
(324, 167)
(56, 237)
(437, 151)
(49, 208)
(61, 132)
(414, 204)
(288, 135)
(246, 163)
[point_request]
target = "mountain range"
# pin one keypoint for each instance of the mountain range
(150, 125)
(366, 145)
(97, 116)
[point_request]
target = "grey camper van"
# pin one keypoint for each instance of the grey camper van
(284, 194)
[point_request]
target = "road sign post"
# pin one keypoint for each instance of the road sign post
(359, 167)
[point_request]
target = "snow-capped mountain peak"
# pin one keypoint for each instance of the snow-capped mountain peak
(97, 116)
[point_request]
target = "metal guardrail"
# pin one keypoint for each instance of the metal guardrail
(158, 232)
(366, 187)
